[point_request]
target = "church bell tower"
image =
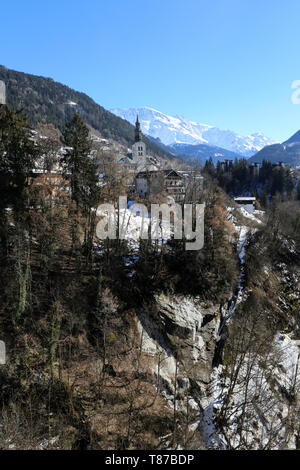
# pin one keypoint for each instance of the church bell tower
(138, 148)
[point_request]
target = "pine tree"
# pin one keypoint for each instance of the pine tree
(18, 153)
(81, 171)
(289, 184)
(219, 169)
(209, 167)
(264, 199)
(79, 168)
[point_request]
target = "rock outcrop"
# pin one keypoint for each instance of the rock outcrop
(184, 332)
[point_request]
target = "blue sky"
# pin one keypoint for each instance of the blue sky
(229, 63)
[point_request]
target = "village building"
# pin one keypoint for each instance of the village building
(194, 183)
(151, 179)
(128, 163)
(154, 182)
(254, 168)
(248, 202)
(279, 165)
(226, 165)
(51, 182)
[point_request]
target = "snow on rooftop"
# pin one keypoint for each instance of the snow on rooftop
(245, 198)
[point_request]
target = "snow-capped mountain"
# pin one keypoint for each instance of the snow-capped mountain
(178, 130)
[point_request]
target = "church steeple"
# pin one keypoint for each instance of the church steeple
(139, 147)
(138, 132)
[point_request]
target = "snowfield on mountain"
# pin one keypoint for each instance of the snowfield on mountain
(177, 129)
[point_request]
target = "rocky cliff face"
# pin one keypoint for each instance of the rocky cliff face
(185, 331)
(254, 393)
(179, 337)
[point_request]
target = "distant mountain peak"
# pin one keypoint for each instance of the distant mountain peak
(179, 130)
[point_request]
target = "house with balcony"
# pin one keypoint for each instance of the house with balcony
(154, 182)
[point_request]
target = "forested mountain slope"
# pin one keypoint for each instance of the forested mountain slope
(47, 101)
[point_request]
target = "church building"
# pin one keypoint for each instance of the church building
(151, 178)
(139, 147)
(138, 160)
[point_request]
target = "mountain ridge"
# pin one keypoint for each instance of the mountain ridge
(46, 101)
(202, 152)
(288, 152)
(179, 130)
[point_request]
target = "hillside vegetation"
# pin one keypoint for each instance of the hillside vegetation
(47, 101)
(141, 344)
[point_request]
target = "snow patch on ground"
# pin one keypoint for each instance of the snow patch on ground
(250, 215)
